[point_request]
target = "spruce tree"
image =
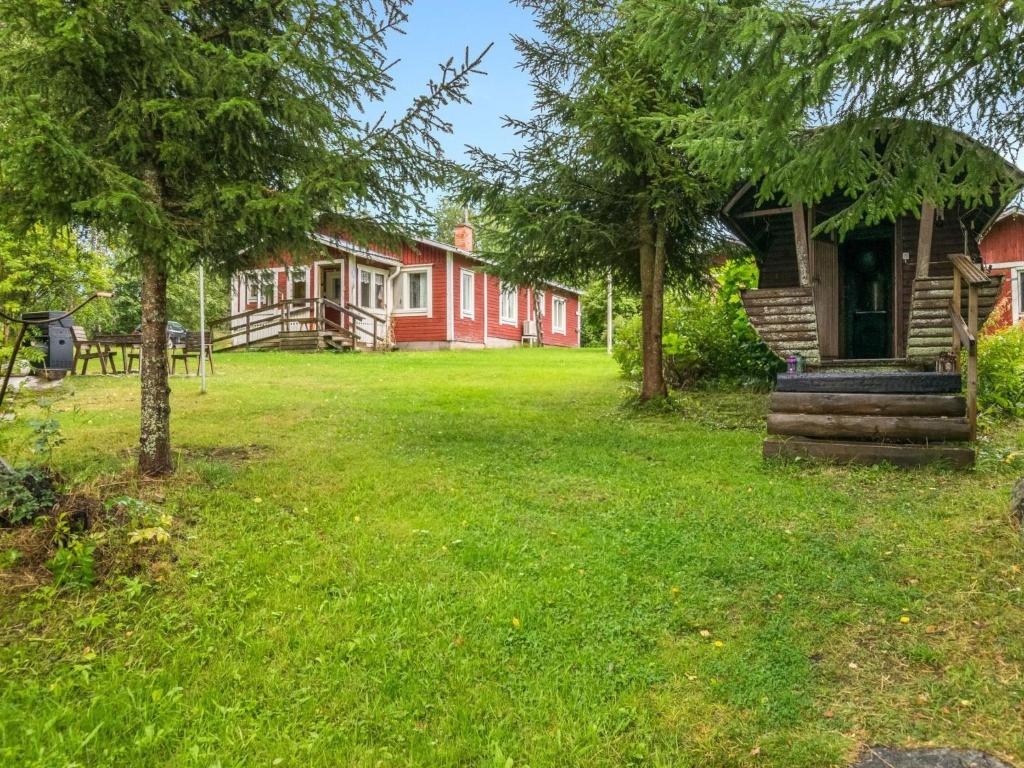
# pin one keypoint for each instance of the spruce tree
(216, 130)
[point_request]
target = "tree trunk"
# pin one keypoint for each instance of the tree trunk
(652, 300)
(155, 429)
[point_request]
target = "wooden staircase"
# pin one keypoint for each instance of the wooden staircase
(931, 326)
(903, 418)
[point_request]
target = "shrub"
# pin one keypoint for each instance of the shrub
(25, 494)
(1001, 374)
(708, 339)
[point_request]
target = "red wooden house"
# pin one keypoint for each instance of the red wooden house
(430, 296)
(1002, 253)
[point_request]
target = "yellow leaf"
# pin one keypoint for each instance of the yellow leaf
(516, 623)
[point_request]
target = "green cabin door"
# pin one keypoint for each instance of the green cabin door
(866, 271)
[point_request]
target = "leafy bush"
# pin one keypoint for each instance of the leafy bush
(1001, 374)
(74, 563)
(708, 339)
(25, 494)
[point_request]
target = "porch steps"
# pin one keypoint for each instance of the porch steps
(930, 332)
(903, 418)
(841, 452)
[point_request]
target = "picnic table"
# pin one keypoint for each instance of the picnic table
(127, 343)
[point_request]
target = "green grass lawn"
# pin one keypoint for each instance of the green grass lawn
(481, 559)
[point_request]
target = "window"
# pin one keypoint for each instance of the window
(467, 298)
(259, 288)
(509, 305)
(558, 314)
(298, 278)
(1017, 287)
(414, 291)
(371, 289)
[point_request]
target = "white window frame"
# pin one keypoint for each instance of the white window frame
(257, 283)
(1017, 293)
(373, 272)
(467, 299)
(560, 330)
(402, 292)
(298, 276)
(512, 292)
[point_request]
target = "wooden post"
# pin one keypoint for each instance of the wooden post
(924, 239)
(972, 359)
(803, 259)
(956, 308)
(248, 339)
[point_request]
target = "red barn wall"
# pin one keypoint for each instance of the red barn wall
(1004, 244)
(412, 328)
(467, 330)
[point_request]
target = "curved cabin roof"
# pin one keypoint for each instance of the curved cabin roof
(751, 221)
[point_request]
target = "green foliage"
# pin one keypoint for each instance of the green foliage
(44, 270)
(248, 125)
(596, 167)
(594, 310)
(708, 339)
(74, 563)
(1001, 374)
(914, 77)
(182, 299)
(25, 494)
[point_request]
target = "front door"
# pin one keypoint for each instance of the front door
(331, 282)
(371, 298)
(866, 267)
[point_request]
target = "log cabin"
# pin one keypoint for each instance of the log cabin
(875, 320)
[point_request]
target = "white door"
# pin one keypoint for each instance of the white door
(371, 298)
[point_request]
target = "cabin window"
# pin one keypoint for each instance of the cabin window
(299, 285)
(467, 299)
(509, 305)
(414, 291)
(1018, 291)
(371, 288)
(259, 289)
(558, 314)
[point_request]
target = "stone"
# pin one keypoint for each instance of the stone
(884, 757)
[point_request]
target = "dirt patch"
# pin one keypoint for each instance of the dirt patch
(233, 454)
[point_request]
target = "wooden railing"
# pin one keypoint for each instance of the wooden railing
(245, 328)
(965, 332)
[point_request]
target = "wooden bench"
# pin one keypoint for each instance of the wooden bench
(87, 349)
(191, 348)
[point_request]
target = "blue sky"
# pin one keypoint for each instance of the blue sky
(438, 29)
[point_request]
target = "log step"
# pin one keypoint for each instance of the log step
(846, 404)
(904, 382)
(842, 452)
(922, 428)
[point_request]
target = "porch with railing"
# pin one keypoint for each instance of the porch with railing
(301, 325)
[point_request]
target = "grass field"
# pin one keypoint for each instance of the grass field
(482, 559)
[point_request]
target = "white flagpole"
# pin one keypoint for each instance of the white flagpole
(611, 317)
(202, 330)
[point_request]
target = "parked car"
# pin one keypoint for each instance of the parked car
(175, 332)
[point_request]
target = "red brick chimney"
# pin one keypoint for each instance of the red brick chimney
(464, 233)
